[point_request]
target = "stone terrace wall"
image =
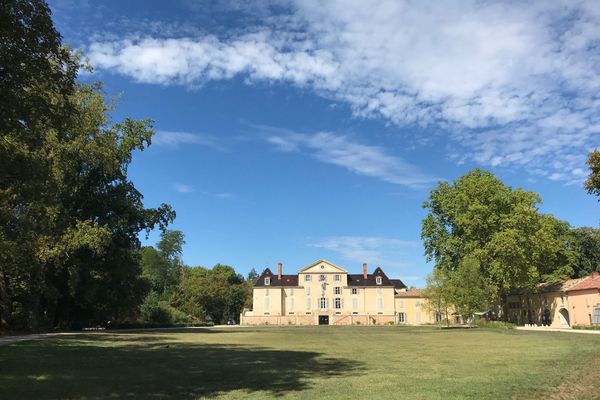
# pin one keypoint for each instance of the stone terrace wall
(314, 320)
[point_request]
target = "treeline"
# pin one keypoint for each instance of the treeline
(179, 294)
(487, 238)
(70, 218)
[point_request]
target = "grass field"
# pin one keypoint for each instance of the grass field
(305, 363)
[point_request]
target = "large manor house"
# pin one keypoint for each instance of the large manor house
(323, 293)
(326, 294)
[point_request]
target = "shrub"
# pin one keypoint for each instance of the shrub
(494, 324)
(155, 311)
(589, 328)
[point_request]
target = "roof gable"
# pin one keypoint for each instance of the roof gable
(286, 280)
(322, 266)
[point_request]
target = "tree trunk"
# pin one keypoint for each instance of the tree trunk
(4, 301)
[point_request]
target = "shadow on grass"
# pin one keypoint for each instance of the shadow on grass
(78, 368)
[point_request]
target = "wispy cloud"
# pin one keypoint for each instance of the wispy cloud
(182, 188)
(175, 139)
(511, 84)
(362, 159)
(371, 249)
(220, 195)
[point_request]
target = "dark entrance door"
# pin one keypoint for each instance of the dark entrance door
(323, 319)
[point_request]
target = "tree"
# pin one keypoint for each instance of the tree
(218, 294)
(162, 267)
(69, 216)
(469, 292)
(587, 247)
(592, 184)
(252, 275)
(500, 227)
(438, 293)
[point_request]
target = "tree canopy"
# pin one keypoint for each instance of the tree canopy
(69, 215)
(592, 184)
(500, 228)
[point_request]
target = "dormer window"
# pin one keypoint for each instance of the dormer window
(378, 280)
(267, 281)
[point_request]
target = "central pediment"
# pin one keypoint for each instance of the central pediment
(323, 267)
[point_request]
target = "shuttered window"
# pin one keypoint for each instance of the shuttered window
(596, 316)
(402, 318)
(338, 303)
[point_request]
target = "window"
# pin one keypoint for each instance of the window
(380, 302)
(438, 317)
(596, 316)
(267, 281)
(307, 278)
(266, 292)
(355, 303)
(323, 303)
(322, 278)
(354, 290)
(308, 303)
(337, 290)
(290, 304)
(402, 318)
(418, 304)
(291, 291)
(308, 291)
(379, 290)
(401, 304)
(378, 280)
(338, 303)
(266, 304)
(337, 278)
(355, 312)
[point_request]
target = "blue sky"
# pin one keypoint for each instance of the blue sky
(293, 131)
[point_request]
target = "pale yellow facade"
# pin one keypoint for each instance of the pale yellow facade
(324, 293)
(411, 309)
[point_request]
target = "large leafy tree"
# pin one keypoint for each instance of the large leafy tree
(592, 184)
(439, 294)
(587, 247)
(499, 227)
(162, 266)
(69, 216)
(218, 294)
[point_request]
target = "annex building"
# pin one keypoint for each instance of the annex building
(323, 293)
(574, 302)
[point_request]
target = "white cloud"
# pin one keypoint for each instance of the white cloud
(362, 159)
(182, 188)
(174, 139)
(511, 83)
(374, 250)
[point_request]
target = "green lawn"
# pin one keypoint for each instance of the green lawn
(306, 363)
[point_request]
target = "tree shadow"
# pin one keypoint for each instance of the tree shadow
(78, 368)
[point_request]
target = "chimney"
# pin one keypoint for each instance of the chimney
(365, 270)
(279, 268)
